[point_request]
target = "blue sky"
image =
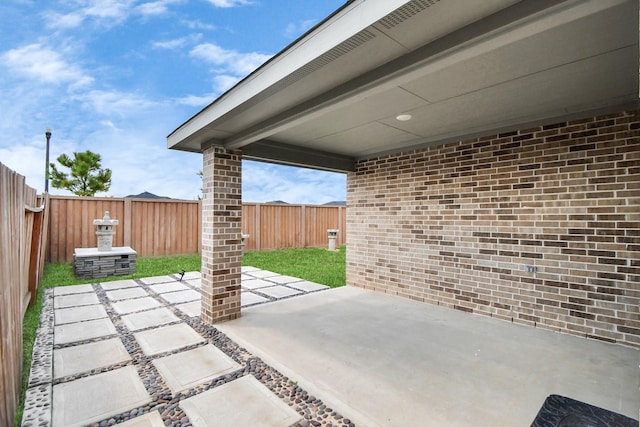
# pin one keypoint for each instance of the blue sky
(117, 76)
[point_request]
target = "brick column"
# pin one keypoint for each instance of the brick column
(221, 230)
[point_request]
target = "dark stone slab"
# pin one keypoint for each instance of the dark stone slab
(560, 411)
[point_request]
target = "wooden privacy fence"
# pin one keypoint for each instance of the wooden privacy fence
(152, 227)
(161, 227)
(22, 218)
(277, 226)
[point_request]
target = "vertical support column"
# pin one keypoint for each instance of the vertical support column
(221, 234)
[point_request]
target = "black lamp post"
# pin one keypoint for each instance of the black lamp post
(47, 134)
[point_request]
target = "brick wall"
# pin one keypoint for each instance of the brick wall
(221, 230)
(457, 225)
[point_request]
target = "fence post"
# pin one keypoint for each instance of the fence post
(44, 238)
(126, 223)
(342, 236)
(34, 256)
(303, 225)
(258, 227)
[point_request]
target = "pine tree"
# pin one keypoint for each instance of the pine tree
(85, 177)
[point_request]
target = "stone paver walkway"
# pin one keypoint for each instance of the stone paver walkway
(135, 353)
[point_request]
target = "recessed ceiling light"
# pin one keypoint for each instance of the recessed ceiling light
(403, 117)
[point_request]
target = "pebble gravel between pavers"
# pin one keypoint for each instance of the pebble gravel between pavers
(312, 411)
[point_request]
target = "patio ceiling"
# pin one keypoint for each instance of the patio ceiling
(460, 68)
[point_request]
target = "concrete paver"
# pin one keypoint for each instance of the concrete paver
(283, 280)
(167, 338)
(72, 290)
(256, 283)
(280, 291)
(181, 296)
(191, 275)
(157, 279)
(75, 300)
(307, 286)
(138, 304)
(191, 309)
(85, 357)
(187, 369)
(145, 319)
(80, 331)
(168, 287)
(152, 419)
(247, 268)
(249, 298)
(79, 314)
(196, 283)
(90, 399)
(120, 294)
(119, 284)
(261, 274)
(242, 402)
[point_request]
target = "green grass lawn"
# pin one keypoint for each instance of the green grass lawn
(313, 264)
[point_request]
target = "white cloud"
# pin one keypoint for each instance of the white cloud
(115, 103)
(63, 21)
(198, 25)
(14, 158)
(158, 7)
(140, 161)
(176, 43)
(104, 12)
(108, 9)
(229, 3)
(263, 182)
(296, 29)
(196, 101)
(223, 82)
(170, 44)
(28, 157)
(44, 65)
(108, 12)
(230, 61)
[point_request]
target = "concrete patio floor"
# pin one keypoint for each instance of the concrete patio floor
(386, 361)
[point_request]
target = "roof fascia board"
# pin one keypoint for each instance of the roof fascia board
(286, 154)
(341, 26)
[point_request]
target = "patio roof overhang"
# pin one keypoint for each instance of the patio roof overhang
(459, 68)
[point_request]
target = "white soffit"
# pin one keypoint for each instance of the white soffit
(568, 68)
